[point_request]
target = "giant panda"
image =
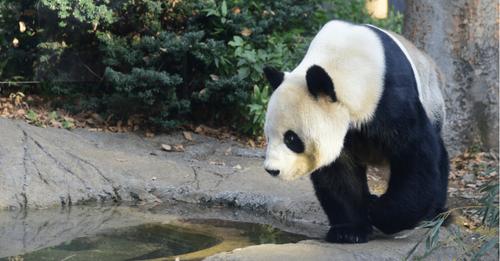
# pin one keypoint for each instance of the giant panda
(361, 96)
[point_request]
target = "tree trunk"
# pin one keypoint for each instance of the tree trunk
(462, 37)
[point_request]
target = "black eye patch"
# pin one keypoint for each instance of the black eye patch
(293, 142)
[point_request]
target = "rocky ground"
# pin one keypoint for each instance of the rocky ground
(48, 167)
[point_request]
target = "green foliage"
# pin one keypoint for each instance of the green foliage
(354, 11)
(14, 60)
(169, 61)
(256, 111)
(84, 11)
(489, 203)
(31, 116)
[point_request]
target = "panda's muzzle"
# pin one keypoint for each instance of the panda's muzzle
(273, 173)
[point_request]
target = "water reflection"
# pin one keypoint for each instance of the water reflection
(123, 233)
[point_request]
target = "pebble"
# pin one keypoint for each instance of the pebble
(469, 178)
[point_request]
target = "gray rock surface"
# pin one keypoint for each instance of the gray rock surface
(388, 249)
(42, 168)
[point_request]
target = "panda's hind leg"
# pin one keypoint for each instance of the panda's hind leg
(416, 191)
(342, 190)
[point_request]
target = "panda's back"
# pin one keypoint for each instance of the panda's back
(403, 58)
(430, 81)
(366, 62)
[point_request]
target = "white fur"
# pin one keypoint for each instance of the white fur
(320, 124)
(353, 56)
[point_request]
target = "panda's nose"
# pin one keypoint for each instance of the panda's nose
(273, 173)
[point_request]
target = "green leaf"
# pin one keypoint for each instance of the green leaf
(67, 124)
(223, 8)
(32, 116)
(243, 73)
(485, 248)
(53, 115)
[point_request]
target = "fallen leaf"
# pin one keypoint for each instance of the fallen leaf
(199, 130)
(187, 135)
(22, 27)
(236, 10)
(97, 118)
(246, 31)
(15, 42)
(20, 113)
(55, 124)
(179, 147)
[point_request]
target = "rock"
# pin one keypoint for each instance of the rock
(166, 147)
(469, 178)
(48, 167)
(388, 249)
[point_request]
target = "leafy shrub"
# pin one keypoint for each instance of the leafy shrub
(256, 110)
(170, 61)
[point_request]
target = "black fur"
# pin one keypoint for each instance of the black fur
(342, 190)
(293, 142)
(319, 83)
(402, 135)
(274, 77)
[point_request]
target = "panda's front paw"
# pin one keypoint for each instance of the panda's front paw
(348, 234)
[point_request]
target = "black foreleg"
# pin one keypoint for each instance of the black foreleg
(342, 191)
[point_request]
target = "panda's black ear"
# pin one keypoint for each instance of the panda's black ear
(320, 83)
(274, 77)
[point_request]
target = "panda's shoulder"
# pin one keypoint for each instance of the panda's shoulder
(346, 35)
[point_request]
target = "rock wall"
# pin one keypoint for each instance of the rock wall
(462, 37)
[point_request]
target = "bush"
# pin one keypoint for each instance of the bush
(170, 61)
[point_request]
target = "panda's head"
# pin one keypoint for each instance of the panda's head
(305, 123)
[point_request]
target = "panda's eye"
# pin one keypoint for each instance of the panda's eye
(293, 142)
